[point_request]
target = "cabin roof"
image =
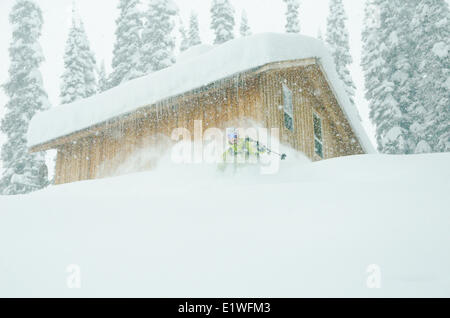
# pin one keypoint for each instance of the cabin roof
(195, 71)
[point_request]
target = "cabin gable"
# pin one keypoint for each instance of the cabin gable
(311, 93)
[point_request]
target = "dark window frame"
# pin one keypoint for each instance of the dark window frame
(288, 108)
(318, 135)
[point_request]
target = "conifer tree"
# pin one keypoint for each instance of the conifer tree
(338, 42)
(90, 63)
(431, 29)
(292, 16)
(389, 66)
(385, 109)
(371, 60)
(102, 78)
(24, 172)
(222, 21)
(72, 79)
(184, 43)
(79, 78)
(158, 42)
(244, 28)
(194, 31)
(126, 55)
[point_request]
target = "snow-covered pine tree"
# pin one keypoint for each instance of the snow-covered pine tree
(126, 55)
(23, 172)
(158, 42)
(292, 16)
(194, 31)
(184, 43)
(72, 79)
(244, 28)
(386, 113)
(403, 64)
(338, 42)
(90, 64)
(103, 84)
(388, 65)
(79, 77)
(431, 30)
(222, 21)
(371, 60)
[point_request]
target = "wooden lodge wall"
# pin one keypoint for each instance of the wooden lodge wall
(257, 95)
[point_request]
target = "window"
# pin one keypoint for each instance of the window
(288, 108)
(318, 138)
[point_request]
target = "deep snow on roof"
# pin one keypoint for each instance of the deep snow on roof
(193, 52)
(220, 62)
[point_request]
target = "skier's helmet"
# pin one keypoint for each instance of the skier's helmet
(232, 136)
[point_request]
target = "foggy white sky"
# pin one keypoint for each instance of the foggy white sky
(99, 18)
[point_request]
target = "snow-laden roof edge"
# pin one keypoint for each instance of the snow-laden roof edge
(194, 52)
(223, 61)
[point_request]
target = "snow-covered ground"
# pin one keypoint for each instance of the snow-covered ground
(311, 230)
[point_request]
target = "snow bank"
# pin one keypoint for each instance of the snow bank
(312, 230)
(220, 62)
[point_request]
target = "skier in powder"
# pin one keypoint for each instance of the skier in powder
(244, 151)
(240, 148)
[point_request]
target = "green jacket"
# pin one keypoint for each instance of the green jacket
(243, 147)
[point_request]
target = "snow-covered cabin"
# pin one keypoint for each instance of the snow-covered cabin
(284, 81)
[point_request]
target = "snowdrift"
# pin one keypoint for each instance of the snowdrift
(312, 230)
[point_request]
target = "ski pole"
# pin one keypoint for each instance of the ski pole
(282, 156)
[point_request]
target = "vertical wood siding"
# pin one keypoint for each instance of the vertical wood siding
(255, 97)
